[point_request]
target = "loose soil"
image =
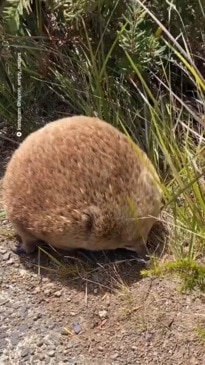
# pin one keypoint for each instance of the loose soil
(93, 309)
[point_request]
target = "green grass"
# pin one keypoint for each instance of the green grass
(201, 333)
(163, 123)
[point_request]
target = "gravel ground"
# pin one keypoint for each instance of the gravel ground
(93, 309)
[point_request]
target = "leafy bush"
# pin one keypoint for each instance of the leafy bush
(74, 49)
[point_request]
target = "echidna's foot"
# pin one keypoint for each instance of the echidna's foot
(25, 248)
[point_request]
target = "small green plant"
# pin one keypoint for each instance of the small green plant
(190, 272)
(2, 214)
(201, 333)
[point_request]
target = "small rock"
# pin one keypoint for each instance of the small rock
(10, 261)
(58, 293)
(64, 332)
(23, 328)
(51, 326)
(100, 348)
(95, 291)
(47, 291)
(41, 357)
(148, 336)
(51, 353)
(37, 290)
(23, 272)
(72, 314)
(24, 352)
(2, 251)
(6, 256)
(15, 339)
(16, 264)
(36, 358)
(69, 346)
(134, 348)
(40, 343)
(102, 314)
(114, 356)
(24, 309)
(37, 316)
(77, 328)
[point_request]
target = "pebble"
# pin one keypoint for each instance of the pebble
(134, 348)
(6, 256)
(23, 272)
(37, 316)
(64, 332)
(15, 338)
(25, 352)
(73, 314)
(47, 291)
(24, 309)
(148, 336)
(51, 326)
(10, 261)
(102, 314)
(51, 353)
(77, 328)
(37, 290)
(58, 293)
(3, 251)
(23, 328)
(114, 356)
(40, 343)
(41, 357)
(69, 346)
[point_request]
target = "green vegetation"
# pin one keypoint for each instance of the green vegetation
(201, 333)
(137, 64)
(192, 273)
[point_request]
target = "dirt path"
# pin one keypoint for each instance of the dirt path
(94, 309)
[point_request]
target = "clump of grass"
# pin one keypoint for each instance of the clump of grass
(2, 214)
(201, 333)
(6, 233)
(76, 267)
(191, 273)
(130, 304)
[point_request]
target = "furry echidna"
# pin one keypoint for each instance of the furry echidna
(78, 182)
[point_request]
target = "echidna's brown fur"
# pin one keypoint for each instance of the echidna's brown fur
(79, 183)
